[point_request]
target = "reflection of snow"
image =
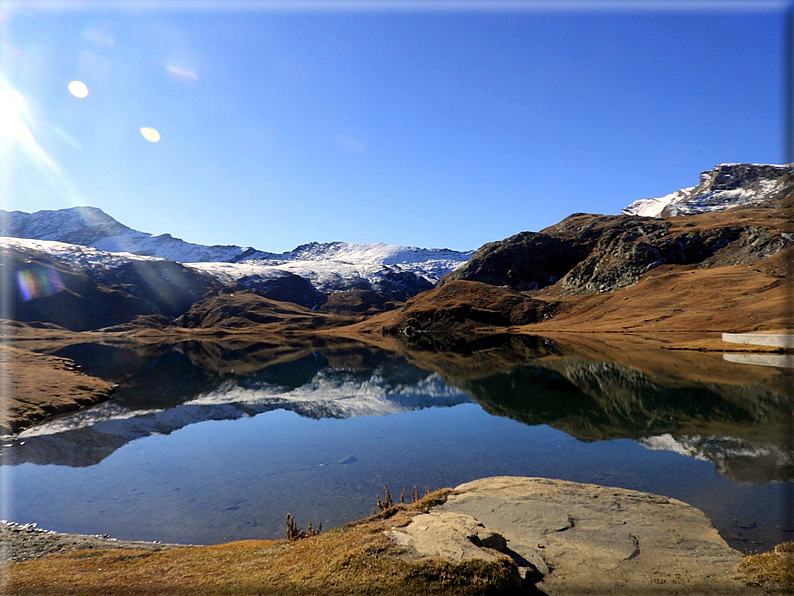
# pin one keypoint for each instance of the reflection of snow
(778, 360)
(726, 453)
(667, 442)
(326, 396)
(342, 398)
(778, 340)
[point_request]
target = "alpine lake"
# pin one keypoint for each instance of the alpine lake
(207, 442)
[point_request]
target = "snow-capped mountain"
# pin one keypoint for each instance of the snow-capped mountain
(343, 266)
(727, 185)
(397, 271)
(91, 259)
(90, 226)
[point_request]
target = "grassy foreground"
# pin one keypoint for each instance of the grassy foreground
(354, 559)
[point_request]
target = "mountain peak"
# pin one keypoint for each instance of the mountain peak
(726, 185)
(90, 226)
(76, 225)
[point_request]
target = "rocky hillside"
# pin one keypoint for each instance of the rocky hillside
(234, 310)
(445, 317)
(587, 253)
(77, 288)
(83, 288)
(589, 271)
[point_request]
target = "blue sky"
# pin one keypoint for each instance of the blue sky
(450, 128)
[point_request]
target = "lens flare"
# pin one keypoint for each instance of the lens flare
(78, 89)
(37, 283)
(150, 134)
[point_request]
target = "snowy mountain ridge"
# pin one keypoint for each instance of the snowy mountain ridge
(726, 185)
(85, 257)
(92, 227)
(90, 238)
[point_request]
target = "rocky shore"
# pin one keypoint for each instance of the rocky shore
(21, 542)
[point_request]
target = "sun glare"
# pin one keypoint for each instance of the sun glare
(17, 126)
(12, 124)
(150, 134)
(78, 89)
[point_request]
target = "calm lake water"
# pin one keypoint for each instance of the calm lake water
(205, 443)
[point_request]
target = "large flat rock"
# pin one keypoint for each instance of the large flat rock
(582, 538)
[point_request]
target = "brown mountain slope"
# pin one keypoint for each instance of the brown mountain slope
(727, 271)
(680, 298)
(449, 314)
(248, 310)
(80, 298)
(589, 253)
(733, 298)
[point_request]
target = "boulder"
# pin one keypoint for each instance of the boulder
(571, 538)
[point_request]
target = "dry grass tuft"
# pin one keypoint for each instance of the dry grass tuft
(388, 503)
(478, 575)
(773, 571)
(295, 533)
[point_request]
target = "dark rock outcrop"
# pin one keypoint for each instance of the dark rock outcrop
(283, 286)
(394, 283)
(526, 261)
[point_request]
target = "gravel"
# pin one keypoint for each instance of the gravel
(19, 542)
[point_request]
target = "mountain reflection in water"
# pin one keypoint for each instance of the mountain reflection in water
(734, 416)
(176, 386)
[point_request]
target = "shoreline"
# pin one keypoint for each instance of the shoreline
(485, 536)
(22, 542)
